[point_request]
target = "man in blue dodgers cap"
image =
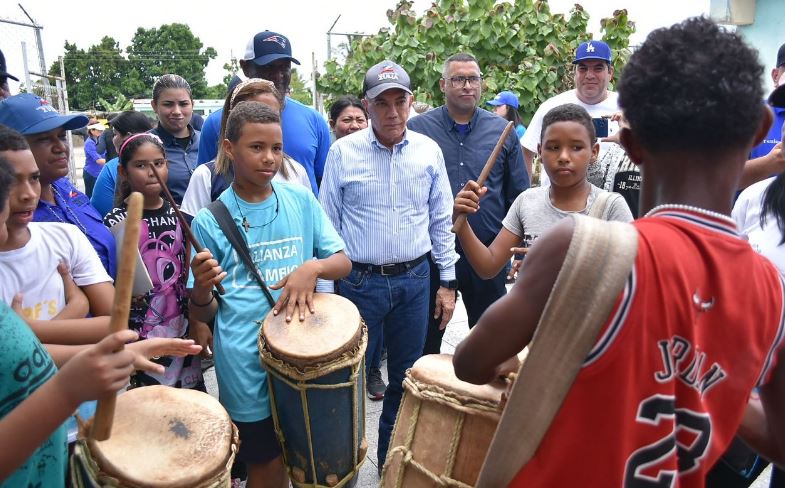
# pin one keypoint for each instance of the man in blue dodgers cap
(306, 137)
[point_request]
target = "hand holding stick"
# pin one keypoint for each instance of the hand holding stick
(183, 223)
(104, 414)
(486, 170)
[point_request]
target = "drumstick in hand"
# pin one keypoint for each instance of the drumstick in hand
(104, 414)
(486, 170)
(183, 223)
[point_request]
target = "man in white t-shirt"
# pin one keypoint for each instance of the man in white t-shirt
(593, 72)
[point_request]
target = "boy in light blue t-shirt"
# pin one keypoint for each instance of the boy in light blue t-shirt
(285, 229)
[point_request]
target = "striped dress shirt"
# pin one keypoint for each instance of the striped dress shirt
(390, 206)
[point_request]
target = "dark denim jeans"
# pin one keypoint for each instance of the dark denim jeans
(396, 308)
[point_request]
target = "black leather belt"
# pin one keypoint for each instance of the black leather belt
(389, 269)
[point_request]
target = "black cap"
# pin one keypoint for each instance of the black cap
(781, 56)
(3, 72)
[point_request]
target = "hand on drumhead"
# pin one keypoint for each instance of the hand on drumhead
(101, 369)
(207, 272)
(298, 289)
(467, 201)
(160, 346)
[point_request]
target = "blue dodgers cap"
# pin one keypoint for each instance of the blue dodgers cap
(505, 98)
(29, 114)
(266, 47)
(593, 50)
(385, 76)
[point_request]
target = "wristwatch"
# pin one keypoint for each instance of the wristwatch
(449, 284)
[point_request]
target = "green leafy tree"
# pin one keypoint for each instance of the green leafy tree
(232, 68)
(521, 46)
(171, 48)
(93, 74)
(298, 90)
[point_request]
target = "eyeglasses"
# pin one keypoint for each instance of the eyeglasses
(460, 81)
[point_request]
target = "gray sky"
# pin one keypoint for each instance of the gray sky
(228, 26)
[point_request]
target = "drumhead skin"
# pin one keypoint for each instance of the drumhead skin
(437, 370)
(166, 437)
(333, 329)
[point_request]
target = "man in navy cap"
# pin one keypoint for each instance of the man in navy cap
(306, 137)
(4, 75)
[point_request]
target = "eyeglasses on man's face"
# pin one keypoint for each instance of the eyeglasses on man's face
(460, 81)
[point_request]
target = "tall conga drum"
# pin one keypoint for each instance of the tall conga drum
(443, 429)
(162, 437)
(316, 378)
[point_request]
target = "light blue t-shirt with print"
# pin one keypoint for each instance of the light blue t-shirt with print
(25, 366)
(287, 229)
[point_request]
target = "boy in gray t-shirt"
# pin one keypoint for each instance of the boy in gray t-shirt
(532, 213)
(568, 145)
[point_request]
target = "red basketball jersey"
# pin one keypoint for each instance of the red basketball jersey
(661, 394)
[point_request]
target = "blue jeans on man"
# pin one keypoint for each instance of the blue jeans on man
(396, 308)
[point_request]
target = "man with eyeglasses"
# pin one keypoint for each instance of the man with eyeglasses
(467, 135)
(593, 71)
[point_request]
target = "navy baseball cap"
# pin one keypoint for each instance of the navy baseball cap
(505, 98)
(781, 56)
(29, 114)
(3, 72)
(385, 76)
(593, 50)
(266, 47)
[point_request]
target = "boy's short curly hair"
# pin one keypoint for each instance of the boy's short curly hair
(569, 112)
(692, 86)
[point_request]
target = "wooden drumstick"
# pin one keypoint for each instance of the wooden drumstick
(104, 414)
(183, 223)
(486, 170)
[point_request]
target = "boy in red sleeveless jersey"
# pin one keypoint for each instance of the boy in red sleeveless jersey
(700, 321)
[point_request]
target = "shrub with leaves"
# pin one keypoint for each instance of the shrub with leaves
(521, 46)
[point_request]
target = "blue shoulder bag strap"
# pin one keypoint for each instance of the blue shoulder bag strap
(232, 233)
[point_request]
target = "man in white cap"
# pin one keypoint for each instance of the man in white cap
(306, 137)
(386, 191)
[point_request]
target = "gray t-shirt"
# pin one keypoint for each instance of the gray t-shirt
(532, 213)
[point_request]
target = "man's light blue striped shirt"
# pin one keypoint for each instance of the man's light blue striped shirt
(390, 206)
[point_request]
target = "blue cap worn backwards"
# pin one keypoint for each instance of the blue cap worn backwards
(593, 50)
(29, 114)
(505, 98)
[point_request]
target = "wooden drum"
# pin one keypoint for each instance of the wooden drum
(162, 437)
(317, 380)
(443, 429)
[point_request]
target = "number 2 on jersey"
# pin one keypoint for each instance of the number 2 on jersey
(642, 466)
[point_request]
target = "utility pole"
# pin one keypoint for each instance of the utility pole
(40, 46)
(329, 35)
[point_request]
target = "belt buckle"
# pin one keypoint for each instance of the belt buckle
(391, 267)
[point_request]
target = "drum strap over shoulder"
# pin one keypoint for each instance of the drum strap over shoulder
(599, 261)
(232, 233)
